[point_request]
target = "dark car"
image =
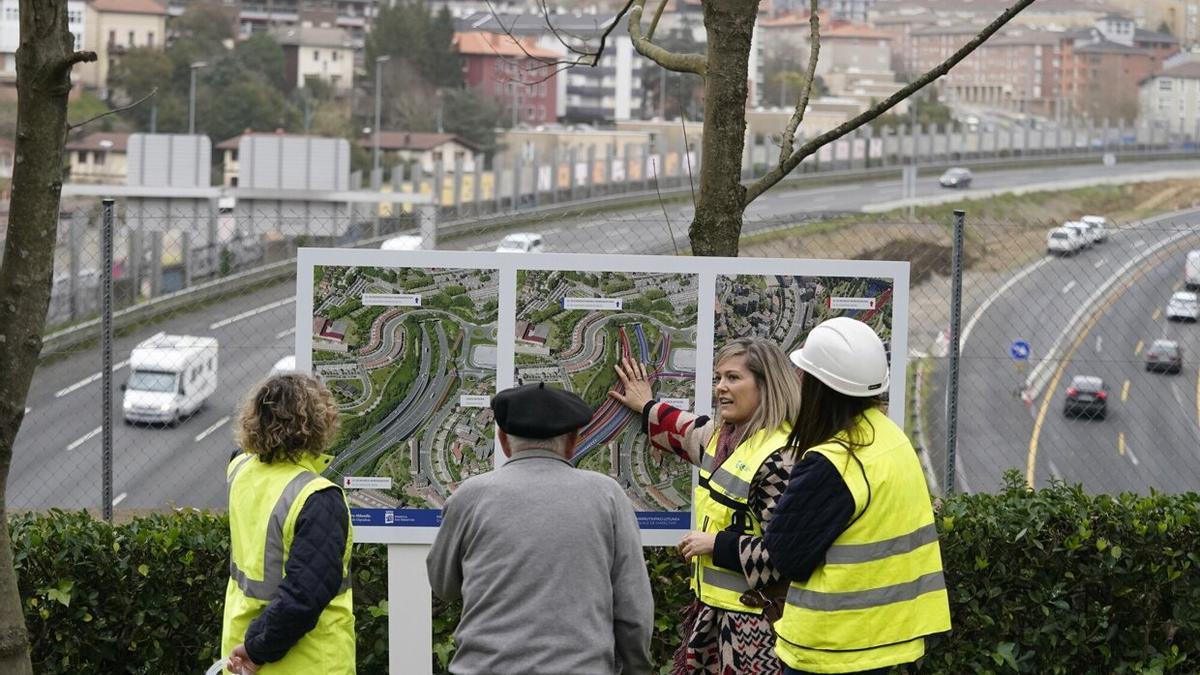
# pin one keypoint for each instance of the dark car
(1086, 397)
(1164, 355)
(958, 177)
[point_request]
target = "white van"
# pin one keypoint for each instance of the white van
(170, 377)
(521, 242)
(1191, 271)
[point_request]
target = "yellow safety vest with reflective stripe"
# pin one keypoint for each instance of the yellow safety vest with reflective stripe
(264, 502)
(721, 497)
(880, 589)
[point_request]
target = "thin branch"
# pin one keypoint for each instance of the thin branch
(654, 22)
(72, 127)
(782, 169)
(585, 58)
(570, 47)
(687, 152)
(663, 205)
(679, 63)
(814, 51)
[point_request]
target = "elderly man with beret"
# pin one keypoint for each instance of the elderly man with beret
(546, 558)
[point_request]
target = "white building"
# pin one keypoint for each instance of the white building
(10, 33)
(317, 53)
(1172, 97)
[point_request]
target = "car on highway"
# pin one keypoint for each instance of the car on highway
(1164, 355)
(283, 366)
(1191, 271)
(1086, 397)
(1183, 306)
(957, 177)
(521, 242)
(1063, 241)
(170, 377)
(1099, 225)
(1085, 232)
(404, 242)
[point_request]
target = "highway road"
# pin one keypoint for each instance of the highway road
(1151, 437)
(57, 459)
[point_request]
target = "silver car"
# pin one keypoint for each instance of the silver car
(1183, 306)
(958, 177)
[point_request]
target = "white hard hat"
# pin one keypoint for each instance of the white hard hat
(846, 355)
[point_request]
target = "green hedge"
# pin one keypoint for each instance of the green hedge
(1050, 581)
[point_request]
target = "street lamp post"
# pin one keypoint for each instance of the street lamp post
(379, 61)
(197, 65)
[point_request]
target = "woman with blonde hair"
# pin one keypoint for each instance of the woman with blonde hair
(743, 469)
(288, 602)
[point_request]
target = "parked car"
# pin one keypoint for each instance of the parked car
(958, 177)
(1086, 235)
(1183, 306)
(1191, 271)
(521, 242)
(405, 242)
(170, 377)
(1100, 225)
(1086, 397)
(1063, 241)
(1164, 355)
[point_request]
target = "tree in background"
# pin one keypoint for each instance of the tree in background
(474, 118)
(44, 62)
(784, 77)
(669, 94)
(926, 110)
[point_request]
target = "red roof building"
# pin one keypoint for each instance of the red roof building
(518, 75)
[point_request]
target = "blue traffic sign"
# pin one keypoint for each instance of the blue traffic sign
(1019, 350)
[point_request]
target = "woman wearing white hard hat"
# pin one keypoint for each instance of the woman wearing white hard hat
(854, 531)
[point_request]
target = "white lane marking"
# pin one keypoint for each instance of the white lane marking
(996, 296)
(88, 380)
(215, 425)
(1100, 263)
(1068, 287)
(1178, 394)
(83, 439)
(282, 334)
(28, 410)
(120, 498)
(1132, 457)
(1099, 343)
(1140, 243)
(251, 312)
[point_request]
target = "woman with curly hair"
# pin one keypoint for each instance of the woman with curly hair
(744, 468)
(288, 601)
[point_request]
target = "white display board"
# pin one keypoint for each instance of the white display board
(414, 343)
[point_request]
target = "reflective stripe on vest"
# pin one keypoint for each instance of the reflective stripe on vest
(273, 552)
(876, 597)
(847, 554)
(732, 485)
(715, 576)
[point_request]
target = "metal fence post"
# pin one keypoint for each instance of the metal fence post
(458, 186)
(536, 192)
(955, 327)
(156, 251)
(73, 282)
(106, 375)
(185, 254)
(427, 219)
(591, 171)
(517, 167)
(477, 184)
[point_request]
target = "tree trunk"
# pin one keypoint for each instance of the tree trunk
(44, 62)
(718, 221)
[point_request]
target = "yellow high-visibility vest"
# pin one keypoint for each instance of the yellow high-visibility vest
(264, 502)
(880, 590)
(722, 496)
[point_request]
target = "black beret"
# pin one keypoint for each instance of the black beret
(538, 411)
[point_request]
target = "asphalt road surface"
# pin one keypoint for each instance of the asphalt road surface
(1151, 435)
(57, 458)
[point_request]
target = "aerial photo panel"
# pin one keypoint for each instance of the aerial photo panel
(410, 356)
(571, 329)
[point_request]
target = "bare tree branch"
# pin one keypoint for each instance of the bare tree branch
(679, 63)
(814, 51)
(585, 57)
(783, 168)
(654, 22)
(147, 97)
(558, 36)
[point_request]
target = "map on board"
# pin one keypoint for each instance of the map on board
(785, 308)
(410, 355)
(573, 326)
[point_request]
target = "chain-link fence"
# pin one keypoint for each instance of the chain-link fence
(1079, 365)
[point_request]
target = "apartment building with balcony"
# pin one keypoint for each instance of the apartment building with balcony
(111, 27)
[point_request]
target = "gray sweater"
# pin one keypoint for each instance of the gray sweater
(548, 562)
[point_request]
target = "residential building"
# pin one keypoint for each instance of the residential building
(1103, 67)
(98, 158)
(610, 91)
(10, 33)
(317, 53)
(847, 46)
(849, 10)
(422, 149)
(255, 16)
(521, 76)
(1172, 97)
(7, 149)
(114, 26)
(557, 145)
(1180, 18)
(1017, 70)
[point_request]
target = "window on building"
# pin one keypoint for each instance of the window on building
(150, 39)
(1164, 84)
(81, 157)
(333, 55)
(112, 38)
(316, 55)
(74, 16)
(131, 40)
(100, 157)
(78, 41)
(11, 14)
